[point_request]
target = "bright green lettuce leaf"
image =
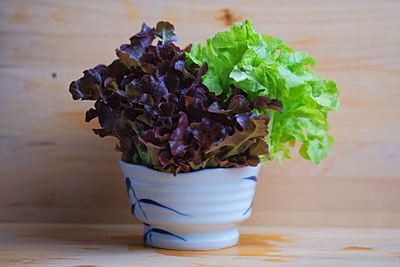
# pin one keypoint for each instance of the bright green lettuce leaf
(262, 65)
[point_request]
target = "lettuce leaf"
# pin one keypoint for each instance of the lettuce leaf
(261, 65)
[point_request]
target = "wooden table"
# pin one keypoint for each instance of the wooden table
(89, 245)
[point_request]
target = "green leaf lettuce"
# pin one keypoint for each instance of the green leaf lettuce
(261, 65)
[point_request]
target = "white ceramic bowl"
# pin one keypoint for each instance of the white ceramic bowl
(199, 210)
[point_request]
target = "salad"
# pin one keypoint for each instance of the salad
(240, 98)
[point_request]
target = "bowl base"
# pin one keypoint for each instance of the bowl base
(191, 238)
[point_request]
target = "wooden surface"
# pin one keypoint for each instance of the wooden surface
(52, 168)
(121, 245)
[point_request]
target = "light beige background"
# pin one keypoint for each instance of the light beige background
(53, 169)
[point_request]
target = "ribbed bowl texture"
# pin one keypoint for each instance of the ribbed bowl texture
(199, 210)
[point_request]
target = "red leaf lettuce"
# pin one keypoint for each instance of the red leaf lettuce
(164, 116)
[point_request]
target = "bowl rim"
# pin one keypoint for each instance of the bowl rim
(214, 171)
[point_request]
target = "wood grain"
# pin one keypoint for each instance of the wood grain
(122, 245)
(52, 168)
